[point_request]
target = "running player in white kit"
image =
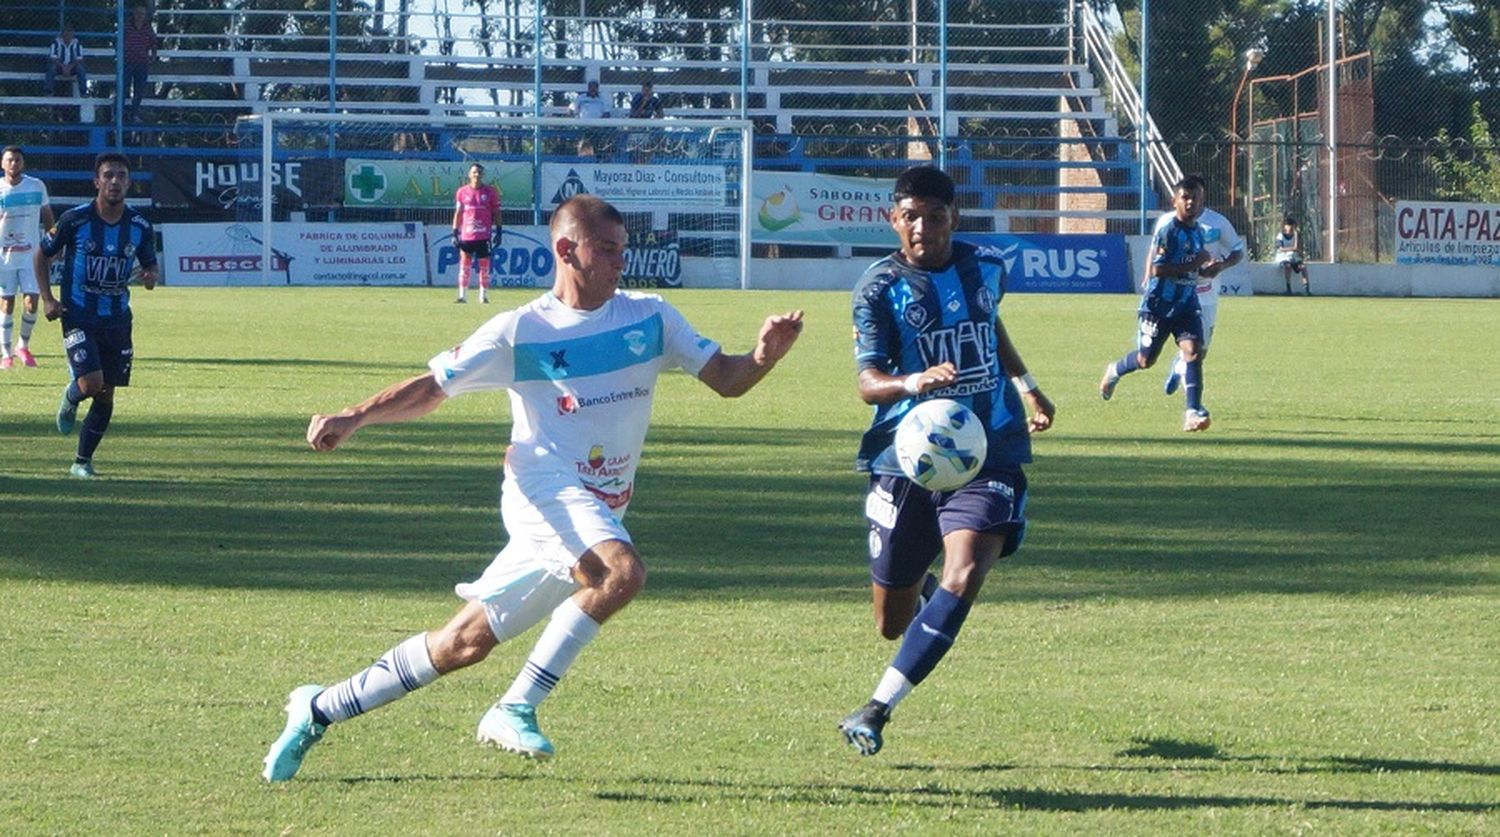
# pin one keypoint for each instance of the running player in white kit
(24, 213)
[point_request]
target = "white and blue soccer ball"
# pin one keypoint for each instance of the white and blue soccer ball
(940, 444)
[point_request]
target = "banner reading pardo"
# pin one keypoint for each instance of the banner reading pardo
(801, 208)
(1074, 263)
(523, 260)
(1432, 232)
(334, 254)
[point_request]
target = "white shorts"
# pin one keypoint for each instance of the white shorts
(15, 280)
(552, 521)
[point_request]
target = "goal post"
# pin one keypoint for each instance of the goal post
(348, 197)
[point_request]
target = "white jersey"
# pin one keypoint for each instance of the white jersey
(1221, 240)
(581, 383)
(21, 220)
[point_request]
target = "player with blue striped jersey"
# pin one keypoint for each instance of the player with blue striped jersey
(581, 364)
(102, 242)
(1223, 240)
(927, 325)
(1169, 305)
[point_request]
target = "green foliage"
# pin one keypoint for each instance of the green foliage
(1284, 625)
(1469, 171)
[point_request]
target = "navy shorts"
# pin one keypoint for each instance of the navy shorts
(106, 350)
(907, 523)
(479, 249)
(1151, 336)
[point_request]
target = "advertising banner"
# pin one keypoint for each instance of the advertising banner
(801, 208)
(523, 259)
(1039, 263)
(1432, 232)
(335, 254)
(235, 185)
(430, 184)
(675, 188)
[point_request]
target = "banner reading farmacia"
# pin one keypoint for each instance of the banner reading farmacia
(430, 184)
(799, 208)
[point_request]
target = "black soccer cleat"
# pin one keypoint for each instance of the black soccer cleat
(862, 728)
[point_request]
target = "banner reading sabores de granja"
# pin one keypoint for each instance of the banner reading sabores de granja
(800, 208)
(1430, 232)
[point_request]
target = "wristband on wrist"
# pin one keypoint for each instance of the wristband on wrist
(1024, 383)
(913, 383)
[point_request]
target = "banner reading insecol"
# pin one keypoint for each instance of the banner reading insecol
(1431, 232)
(800, 208)
(430, 184)
(334, 254)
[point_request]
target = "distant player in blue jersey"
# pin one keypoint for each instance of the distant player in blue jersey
(1169, 305)
(927, 325)
(102, 242)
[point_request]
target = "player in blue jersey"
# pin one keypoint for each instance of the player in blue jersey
(581, 364)
(927, 325)
(1169, 306)
(101, 243)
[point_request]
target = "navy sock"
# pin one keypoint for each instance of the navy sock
(930, 636)
(93, 428)
(1127, 364)
(1192, 384)
(73, 393)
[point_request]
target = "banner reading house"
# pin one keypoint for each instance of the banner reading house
(801, 208)
(429, 184)
(1074, 263)
(235, 185)
(1434, 232)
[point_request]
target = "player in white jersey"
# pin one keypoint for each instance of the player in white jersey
(1228, 250)
(24, 212)
(581, 365)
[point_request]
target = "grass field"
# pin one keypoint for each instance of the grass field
(1288, 624)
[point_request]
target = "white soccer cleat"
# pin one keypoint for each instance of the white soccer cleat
(1194, 421)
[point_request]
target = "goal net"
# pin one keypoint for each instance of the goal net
(368, 199)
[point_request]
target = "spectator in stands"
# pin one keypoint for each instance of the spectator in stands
(645, 104)
(590, 105)
(140, 49)
(65, 61)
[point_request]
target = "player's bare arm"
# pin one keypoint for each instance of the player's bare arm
(149, 277)
(1173, 271)
(51, 308)
(410, 399)
(876, 387)
(734, 375)
(1037, 403)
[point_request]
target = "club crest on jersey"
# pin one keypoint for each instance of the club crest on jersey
(915, 316)
(985, 300)
(636, 342)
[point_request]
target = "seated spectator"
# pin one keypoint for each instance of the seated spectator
(140, 48)
(65, 60)
(590, 105)
(645, 104)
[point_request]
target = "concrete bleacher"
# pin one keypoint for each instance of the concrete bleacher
(1036, 93)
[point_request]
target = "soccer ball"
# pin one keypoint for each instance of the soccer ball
(940, 444)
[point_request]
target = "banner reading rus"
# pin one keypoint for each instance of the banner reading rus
(235, 185)
(1075, 263)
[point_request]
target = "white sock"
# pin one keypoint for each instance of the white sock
(565, 635)
(7, 329)
(892, 688)
(28, 323)
(1180, 367)
(403, 670)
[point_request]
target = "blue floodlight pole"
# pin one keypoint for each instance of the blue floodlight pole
(1144, 118)
(745, 62)
(333, 50)
(119, 77)
(942, 104)
(536, 111)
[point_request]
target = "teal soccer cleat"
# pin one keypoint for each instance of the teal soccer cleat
(862, 729)
(512, 726)
(83, 470)
(67, 415)
(301, 732)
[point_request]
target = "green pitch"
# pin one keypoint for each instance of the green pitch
(1286, 624)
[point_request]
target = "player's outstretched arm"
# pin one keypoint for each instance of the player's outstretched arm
(410, 399)
(734, 375)
(1037, 403)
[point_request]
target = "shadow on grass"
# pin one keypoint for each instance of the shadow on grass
(735, 512)
(1172, 749)
(696, 793)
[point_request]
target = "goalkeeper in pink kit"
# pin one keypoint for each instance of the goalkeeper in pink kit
(476, 221)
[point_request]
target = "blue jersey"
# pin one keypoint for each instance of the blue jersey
(907, 319)
(1175, 243)
(99, 258)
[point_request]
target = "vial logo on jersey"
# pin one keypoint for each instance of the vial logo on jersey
(100, 258)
